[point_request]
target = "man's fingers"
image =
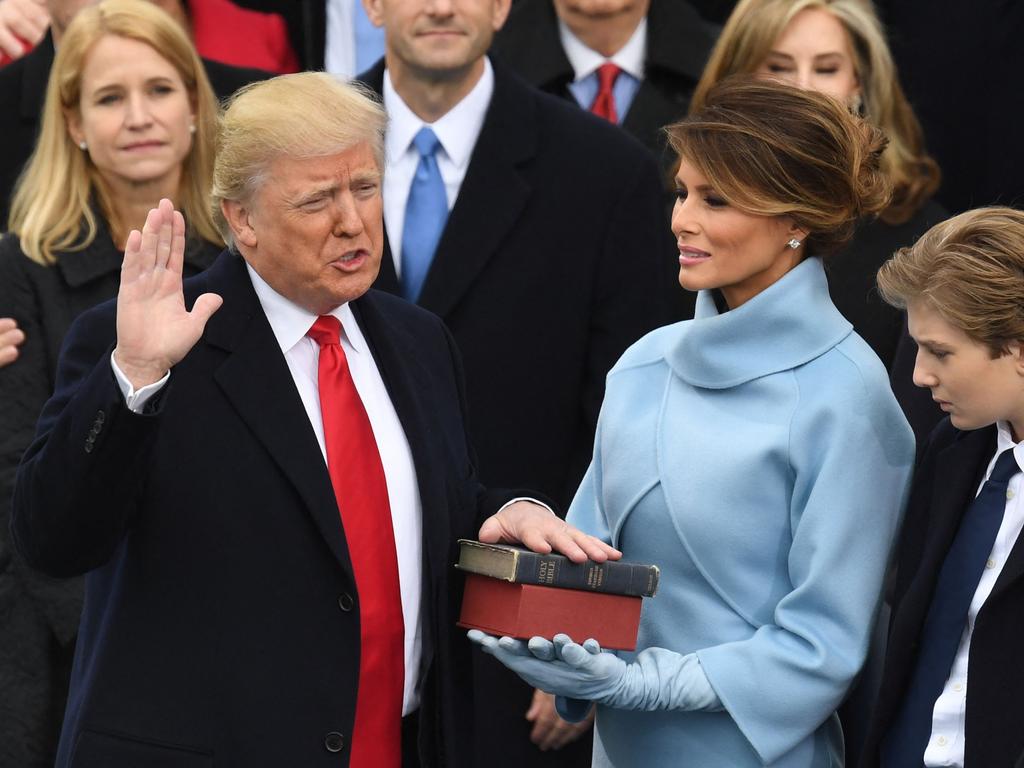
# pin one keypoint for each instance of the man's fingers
(596, 549)
(541, 733)
(491, 531)
(150, 238)
(25, 18)
(165, 235)
(176, 258)
(536, 705)
(9, 44)
(131, 267)
(204, 308)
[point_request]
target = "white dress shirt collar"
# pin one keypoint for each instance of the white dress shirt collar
(457, 130)
(1004, 440)
(290, 322)
(585, 61)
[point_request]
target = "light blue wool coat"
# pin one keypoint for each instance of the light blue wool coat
(760, 459)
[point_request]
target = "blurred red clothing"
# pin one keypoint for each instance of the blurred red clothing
(224, 32)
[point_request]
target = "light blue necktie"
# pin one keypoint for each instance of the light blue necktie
(425, 215)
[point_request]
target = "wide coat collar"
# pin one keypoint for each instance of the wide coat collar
(790, 323)
(493, 196)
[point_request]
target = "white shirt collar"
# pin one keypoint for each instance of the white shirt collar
(290, 322)
(585, 61)
(1005, 440)
(457, 130)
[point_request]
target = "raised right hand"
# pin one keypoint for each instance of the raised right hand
(154, 330)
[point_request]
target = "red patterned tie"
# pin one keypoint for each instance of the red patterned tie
(357, 475)
(604, 104)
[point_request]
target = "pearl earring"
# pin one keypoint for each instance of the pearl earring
(793, 243)
(82, 145)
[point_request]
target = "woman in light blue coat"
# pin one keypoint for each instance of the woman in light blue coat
(755, 453)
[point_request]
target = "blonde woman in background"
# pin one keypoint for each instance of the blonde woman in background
(838, 47)
(129, 117)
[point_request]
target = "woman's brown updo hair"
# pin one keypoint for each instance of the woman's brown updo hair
(776, 150)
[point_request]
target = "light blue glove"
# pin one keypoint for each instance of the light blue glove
(657, 679)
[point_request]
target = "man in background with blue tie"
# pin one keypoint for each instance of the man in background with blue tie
(952, 691)
(537, 233)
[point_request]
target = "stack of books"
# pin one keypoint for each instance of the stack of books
(515, 592)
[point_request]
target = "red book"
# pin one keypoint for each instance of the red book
(523, 610)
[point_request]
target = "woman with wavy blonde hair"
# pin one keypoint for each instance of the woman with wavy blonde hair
(839, 47)
(129, 117)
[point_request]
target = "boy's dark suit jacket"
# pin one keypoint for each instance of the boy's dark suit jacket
(555, 258)
(944, 486)
(218, 628)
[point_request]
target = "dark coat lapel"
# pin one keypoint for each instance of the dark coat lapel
(491, 199)
(256, 380)
(493, 195)
(410, 388)
(958, 470)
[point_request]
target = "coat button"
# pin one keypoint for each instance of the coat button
(346, 602)
(334, 742)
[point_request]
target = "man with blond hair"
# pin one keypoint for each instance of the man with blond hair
(263, 473)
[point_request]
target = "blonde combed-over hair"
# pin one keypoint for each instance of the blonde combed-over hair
(308, 114)
(753, 28)
(970, 269)
(51, 209)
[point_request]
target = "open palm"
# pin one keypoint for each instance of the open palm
(154, 329)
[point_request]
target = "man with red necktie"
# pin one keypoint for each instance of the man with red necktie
(263, 473)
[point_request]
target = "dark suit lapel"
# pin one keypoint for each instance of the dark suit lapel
(409, 386)
(1011, 574)
(958, 470)
(491, 199)
(256, 380)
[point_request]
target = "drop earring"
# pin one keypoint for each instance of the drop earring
(793, 243)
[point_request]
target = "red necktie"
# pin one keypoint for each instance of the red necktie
(604, 104)
(357, 475)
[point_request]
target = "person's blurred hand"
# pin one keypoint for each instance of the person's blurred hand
(549, 730)
(24, 19)
(10, 337)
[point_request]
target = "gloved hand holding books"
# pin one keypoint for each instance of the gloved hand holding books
(656, 679)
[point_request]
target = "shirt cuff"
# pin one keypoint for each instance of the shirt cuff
(136, 401)
(513, 501)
